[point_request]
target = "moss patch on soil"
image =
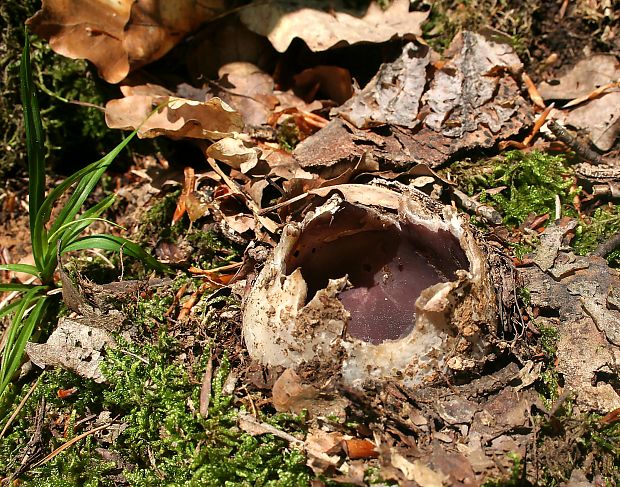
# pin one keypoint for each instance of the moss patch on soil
(158, 436)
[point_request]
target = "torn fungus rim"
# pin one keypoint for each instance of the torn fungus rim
(302, 310)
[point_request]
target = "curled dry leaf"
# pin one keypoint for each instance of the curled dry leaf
(119, 36)
(290, 394)
(600, 118)
(582, 291)
(174, 117)
(234, 153)
(325, 24)
(470, 89)
(419, 472)
(378, 282)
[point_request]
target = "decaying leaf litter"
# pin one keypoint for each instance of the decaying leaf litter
(377, 294)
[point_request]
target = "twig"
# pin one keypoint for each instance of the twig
(228, 267)
(608, 246)
(71, 442)
(33, 449)
(593, 94)
(579, 148)
(20, 406)
(251, 425)
(532, 91)
(205, 389)
(471, 205)
(540, 121)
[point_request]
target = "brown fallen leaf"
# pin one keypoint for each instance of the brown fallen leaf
(325, 24)
(73, 346)
(419, 472)
(464, 95)
(120, 36)
(234, 153)
(473, 101)
(599, 118)
(174, 117)
(586, 76)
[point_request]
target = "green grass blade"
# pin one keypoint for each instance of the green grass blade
(71, 230)
(92, 173)
(116, 244)
(34, 143)
(16, 286)
(86, 185)
(27, 268)
(20, 332)
(9, 308)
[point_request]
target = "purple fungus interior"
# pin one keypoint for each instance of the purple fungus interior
(387, 267)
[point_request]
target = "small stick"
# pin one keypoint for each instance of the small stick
(20, 406)
(580, 149)
(608, 246)
(205, 388)
(471, 205)
(71, 442)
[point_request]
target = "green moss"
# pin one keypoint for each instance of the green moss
(514, 18)
(549, 386)
(532, 181)
(153, 390)
(156, 222)
(210, 250)
(186, 448)
(604, 223)
(288, 135)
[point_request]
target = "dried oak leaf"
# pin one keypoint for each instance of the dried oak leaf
(326, 24)
(119, 36)
(600, 118)
(587, 75)
(234, 153)
(466, 94)
(581, 290)
(176, 117)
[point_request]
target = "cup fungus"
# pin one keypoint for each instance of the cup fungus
(380, 281)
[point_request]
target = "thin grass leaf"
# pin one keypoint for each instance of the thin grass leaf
(71, 230)
(34, 144)
(16, 286)
(116, 244)
(14, 330)
(86, 185)
(27, 268)
(21, 331)
(9, 308)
